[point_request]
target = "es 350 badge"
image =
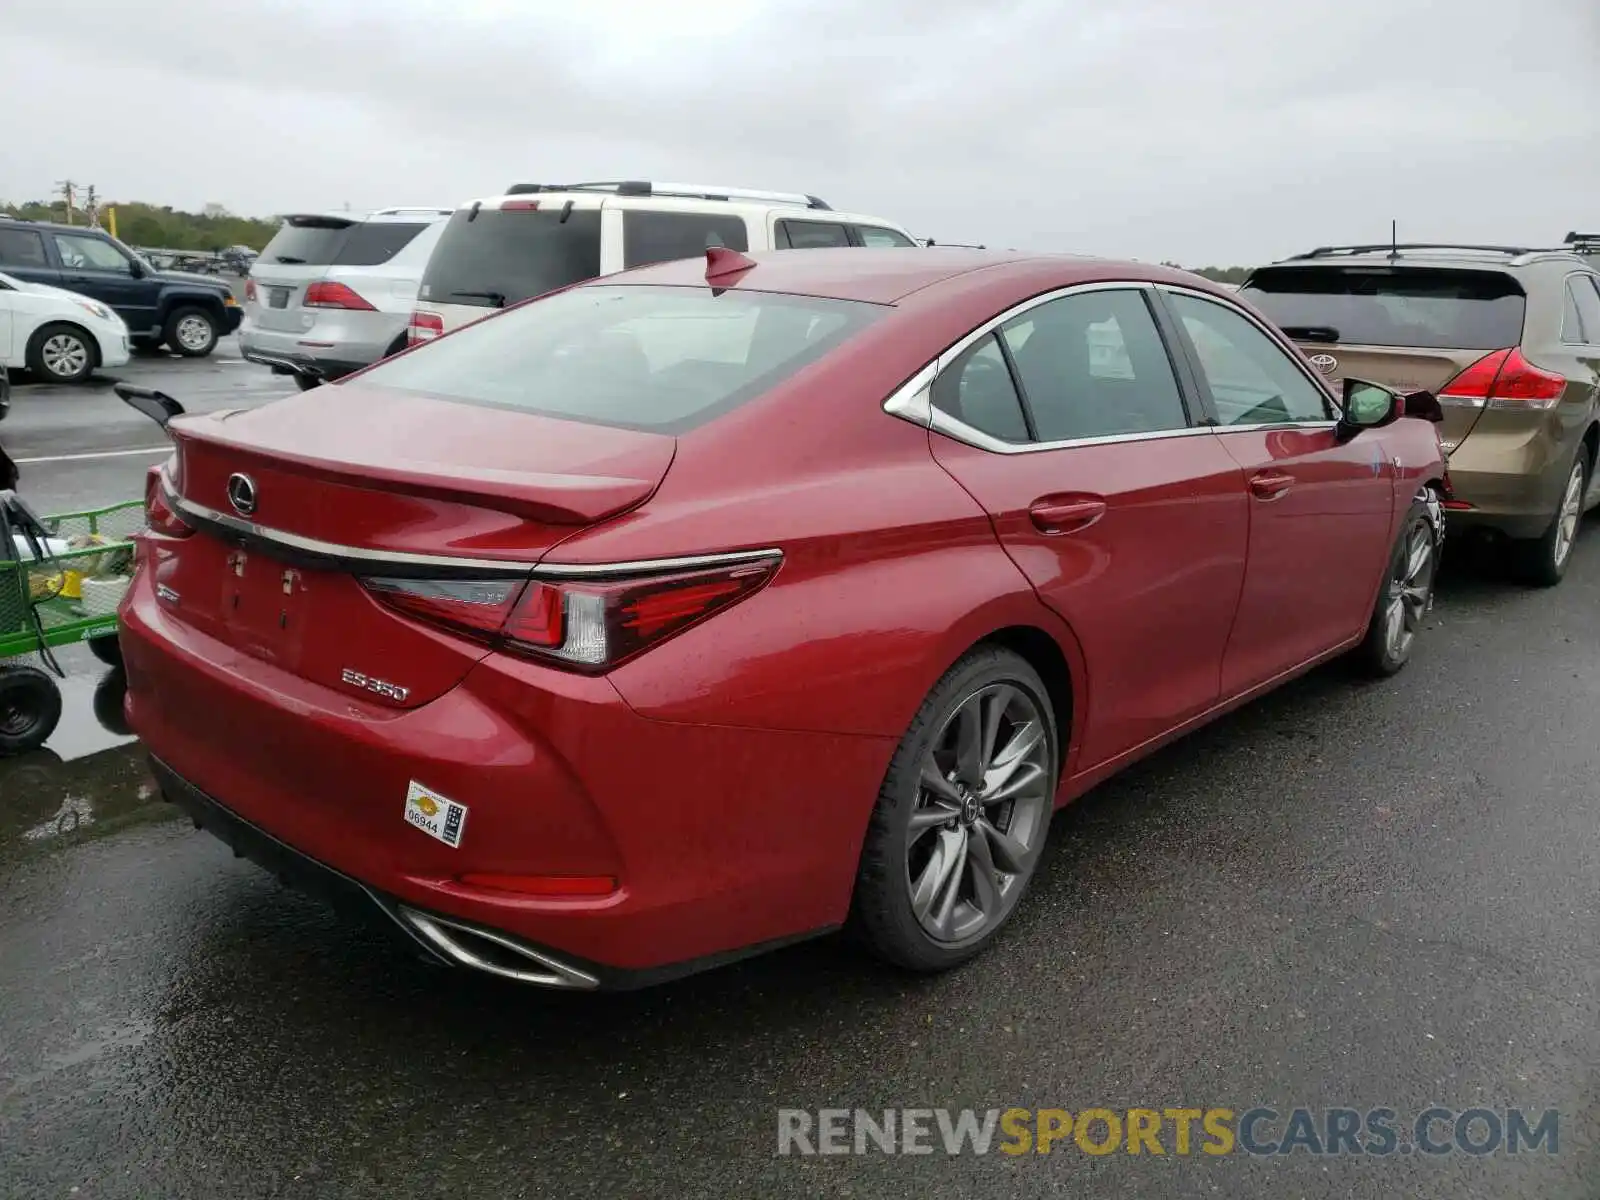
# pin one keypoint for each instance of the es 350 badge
(437, 816)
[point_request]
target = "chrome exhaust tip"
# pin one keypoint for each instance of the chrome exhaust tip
(494, 953)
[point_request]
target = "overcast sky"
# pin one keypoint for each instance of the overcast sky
(1206, 131)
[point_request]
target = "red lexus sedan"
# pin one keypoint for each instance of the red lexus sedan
(711, 606)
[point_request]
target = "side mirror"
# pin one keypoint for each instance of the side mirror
(135, 268)
(1368, 406)
(1424, 405)
(158, 406)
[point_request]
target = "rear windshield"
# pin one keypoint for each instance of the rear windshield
(375, 242)
(1392, 306)
(498, 258)
(663, 359)
(310, 240)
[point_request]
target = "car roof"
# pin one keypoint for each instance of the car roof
(23, 221)
(890, 275)
(1463, 257)
(682, 203)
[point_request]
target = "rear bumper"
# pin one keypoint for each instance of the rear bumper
(336, 340)
(232, 318)
(1513, 482)
(560, 777)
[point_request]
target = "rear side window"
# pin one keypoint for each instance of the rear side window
(811, 235)
(977, 390)
(22, 248)
(874, 235)
(498, 258)
(373, 243)
(1436, 308)
(313, 241)
(663, 359)
(652, 237)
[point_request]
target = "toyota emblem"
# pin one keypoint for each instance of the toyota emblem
(242, 494)
(1326, 363)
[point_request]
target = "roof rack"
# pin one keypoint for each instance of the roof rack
(1583, 243)
(687, 191)
(1396, 247)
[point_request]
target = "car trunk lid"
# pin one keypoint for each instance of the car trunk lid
(297, 502)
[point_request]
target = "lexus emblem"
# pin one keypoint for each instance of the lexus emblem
(1326, 363)
(242, 494)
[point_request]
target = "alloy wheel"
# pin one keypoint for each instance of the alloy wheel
(1569, 515)
(64, 355)
(193, 333)
(983, 804)
(1410, 592)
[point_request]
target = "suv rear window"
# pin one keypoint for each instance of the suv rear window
(663, 359)
(1431, 307)
(498, 258)
(310, 240)
(373, 243)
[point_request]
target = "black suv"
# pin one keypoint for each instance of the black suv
(186, 312)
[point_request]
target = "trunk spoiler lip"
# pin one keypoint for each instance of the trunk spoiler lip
(402, 564)
(575, 500)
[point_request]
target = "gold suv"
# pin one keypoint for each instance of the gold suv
(1509, 341)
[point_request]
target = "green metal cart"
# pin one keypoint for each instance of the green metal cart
(67, 595)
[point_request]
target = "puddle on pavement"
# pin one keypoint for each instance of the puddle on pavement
(90, 779)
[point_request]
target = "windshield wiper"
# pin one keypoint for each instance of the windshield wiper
(494, 298)
(1311, 333)
(288, 259)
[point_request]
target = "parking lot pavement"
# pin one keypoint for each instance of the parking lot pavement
(83, 447)
(1345, 895)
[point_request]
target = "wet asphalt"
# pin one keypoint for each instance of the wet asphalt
(1348, 894)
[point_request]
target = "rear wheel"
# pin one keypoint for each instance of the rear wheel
(962, 816)
(30, 709)
(192, 332)
(61, 354)
(1406, 594)
(1543, 561)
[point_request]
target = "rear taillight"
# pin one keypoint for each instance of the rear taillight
(158, 514)
(583, 625)
(424, 327)
(328, 294)
(1504, 379)
(250, 290)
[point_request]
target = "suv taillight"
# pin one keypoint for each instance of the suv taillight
(158, 514)
(1504, 379)
(424, 327)
(583, 626)
(250, 290)
(327, 294)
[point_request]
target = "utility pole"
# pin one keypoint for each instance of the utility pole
(91, 208)
(69, 192)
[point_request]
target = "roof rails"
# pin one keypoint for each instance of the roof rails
(687, 191)
(1395, 247)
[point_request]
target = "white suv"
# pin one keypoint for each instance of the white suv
(540, 237)
(333, 292)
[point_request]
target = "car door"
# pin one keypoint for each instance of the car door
(22, 255)
(1067, 423)
(95, 267)
(8, 327)
(1321, 506)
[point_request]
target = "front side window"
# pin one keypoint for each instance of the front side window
(1093, 364)
(874, 235)
(662, 359)
(1252, 379)
(976, 389)
(811, 235)
(652, 237)
(90, 254)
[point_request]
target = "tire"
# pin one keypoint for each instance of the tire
(62, 353)
(920, 901)
(107, 649)
(30, 709)
(1543, 561)
(191, 332)
(1406, 595)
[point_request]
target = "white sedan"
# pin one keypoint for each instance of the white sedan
(59, 336)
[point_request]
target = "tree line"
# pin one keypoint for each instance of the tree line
(162, 226)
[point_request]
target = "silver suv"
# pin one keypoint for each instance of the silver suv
(333, 292)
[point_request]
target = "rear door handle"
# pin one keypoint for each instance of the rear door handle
(1054, 515)
(1269, 485)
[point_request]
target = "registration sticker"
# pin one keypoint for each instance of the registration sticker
(437, 816)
